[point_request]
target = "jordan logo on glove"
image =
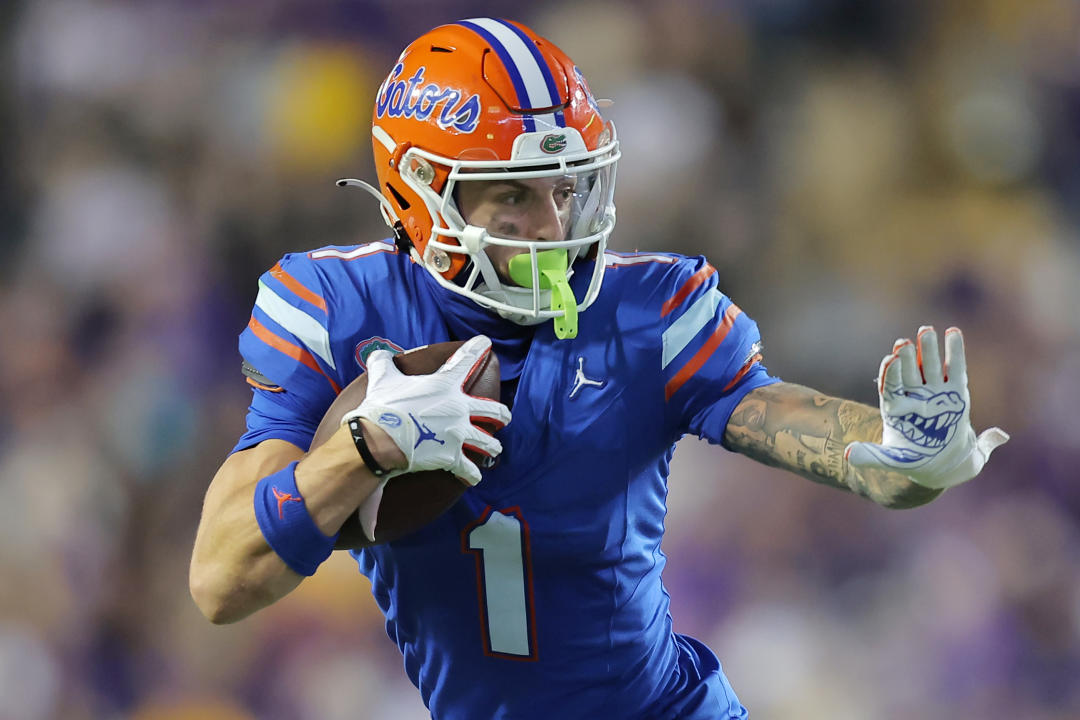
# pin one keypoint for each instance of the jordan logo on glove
(424, 433)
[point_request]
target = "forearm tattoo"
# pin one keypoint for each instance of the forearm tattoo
(798, 429)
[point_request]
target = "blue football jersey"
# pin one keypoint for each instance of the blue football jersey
(539, 594)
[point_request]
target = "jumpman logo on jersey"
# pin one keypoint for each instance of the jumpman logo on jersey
(426, 433)
(581, 381)
(283, 498)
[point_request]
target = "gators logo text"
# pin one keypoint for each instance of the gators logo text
(400, 98)
(366, 347)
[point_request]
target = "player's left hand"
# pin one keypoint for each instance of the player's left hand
(925, 409)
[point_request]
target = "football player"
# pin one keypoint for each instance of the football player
(539, 594)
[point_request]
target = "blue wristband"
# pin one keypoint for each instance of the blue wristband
(286, 524)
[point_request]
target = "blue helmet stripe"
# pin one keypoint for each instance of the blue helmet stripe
(511, 69)
(549, 79)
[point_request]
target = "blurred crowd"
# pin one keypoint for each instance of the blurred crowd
(853, 169)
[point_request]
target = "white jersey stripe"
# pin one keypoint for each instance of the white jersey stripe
(682, 331)
(613, 259)
(354, 253)
(306, 328)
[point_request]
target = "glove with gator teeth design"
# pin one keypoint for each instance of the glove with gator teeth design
(925, 409)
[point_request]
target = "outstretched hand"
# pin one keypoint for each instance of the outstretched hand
(925, 409)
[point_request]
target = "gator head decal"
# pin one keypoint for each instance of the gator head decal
(366, 347)
(933, 426)
(552, 144)
(925, 419)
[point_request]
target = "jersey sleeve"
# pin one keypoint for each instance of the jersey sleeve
(712, 353)
(287, 356)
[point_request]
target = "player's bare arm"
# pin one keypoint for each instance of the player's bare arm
(237, 569)
(795, 428)
(920, 441)
(234, 572)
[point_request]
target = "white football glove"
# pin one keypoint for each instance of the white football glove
(926, 409)
(430, 417)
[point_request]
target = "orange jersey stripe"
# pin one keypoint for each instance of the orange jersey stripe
(745, 369)
(706, 351)
(293, 284)
(268, 388)
(294, 351)
(688, 287)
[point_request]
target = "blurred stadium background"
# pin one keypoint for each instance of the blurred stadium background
(852, 168)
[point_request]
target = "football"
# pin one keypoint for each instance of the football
(412, 500)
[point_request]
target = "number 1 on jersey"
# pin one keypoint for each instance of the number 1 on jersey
(500, 542)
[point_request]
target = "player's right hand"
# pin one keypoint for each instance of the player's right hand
(430, 417)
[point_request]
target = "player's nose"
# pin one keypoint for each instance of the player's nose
(546, 221)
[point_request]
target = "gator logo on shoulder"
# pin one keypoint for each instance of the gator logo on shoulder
(366, 347)
(552, 144)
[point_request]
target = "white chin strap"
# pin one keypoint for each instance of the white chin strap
(518, 297)
(473, 239)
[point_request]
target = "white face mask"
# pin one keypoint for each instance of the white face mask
(529, 206)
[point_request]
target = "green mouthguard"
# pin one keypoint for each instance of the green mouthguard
(551, 268)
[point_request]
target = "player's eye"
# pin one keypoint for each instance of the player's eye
(512, 198)
(563, 195)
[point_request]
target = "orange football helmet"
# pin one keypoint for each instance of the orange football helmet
(482, 100)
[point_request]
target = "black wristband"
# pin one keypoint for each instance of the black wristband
(365, 452)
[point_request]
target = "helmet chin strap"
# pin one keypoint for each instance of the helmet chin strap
(546, 282)
(472, 239)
